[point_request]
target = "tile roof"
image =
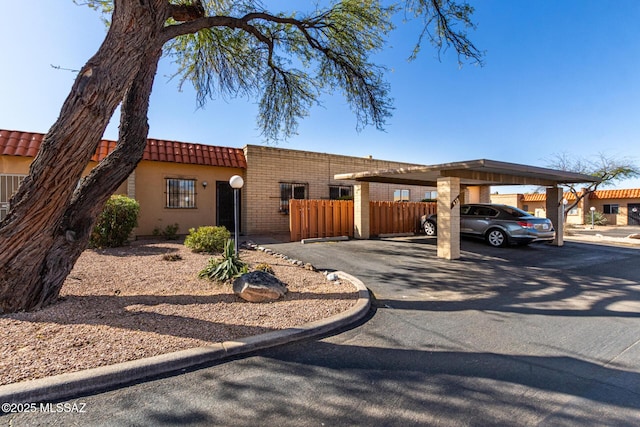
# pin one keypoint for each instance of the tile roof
(629, 193)
(534, 197)
(16, 143)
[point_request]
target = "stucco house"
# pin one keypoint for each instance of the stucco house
(619, 207)
(188, 183)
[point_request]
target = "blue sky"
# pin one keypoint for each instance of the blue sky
(559, 76)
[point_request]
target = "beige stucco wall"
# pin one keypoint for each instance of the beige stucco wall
(267, 167)
(15, 165)
(622, 218)
(507, 199)
(150, 193)
(149, 182)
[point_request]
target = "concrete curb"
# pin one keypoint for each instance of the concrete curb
(324, 239)
(66, 386)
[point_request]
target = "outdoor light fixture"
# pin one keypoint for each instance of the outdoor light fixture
(204, 184)
(236, 182)
(593, 210)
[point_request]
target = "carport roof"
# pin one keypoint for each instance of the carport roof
(472, 172)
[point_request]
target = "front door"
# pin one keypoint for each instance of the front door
(224, 205)
(634, 213)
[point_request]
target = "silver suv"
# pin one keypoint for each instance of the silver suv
(498, 225)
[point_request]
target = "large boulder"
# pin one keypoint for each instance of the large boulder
(259, 286)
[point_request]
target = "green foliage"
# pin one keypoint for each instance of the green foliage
(227, 268)
(288, 59)
(207, 239)
(116, 222)
(598, 218)
(170, 232)
(264, 267)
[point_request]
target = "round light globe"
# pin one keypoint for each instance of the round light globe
(236, 182)
(592, 208)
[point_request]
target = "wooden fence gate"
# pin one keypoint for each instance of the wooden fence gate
(333, 218)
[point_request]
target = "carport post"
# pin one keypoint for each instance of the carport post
(449, 218)
(555, 212)
(361, 210)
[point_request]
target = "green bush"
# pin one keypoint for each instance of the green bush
(263, 266)
(207, 239)
(598, 218)
(227, 268)
(170, 232)
(116, 222)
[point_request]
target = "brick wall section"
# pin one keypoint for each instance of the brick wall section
(267, 167)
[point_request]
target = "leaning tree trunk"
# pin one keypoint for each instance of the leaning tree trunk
(103, 181)
(47, 222)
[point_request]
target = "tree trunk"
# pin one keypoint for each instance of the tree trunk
(49, 222)
(101, 183)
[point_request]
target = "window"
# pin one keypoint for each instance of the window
(401, 195)
(8, 186)
(181, 193)
(340, 192)
(611, 209)
(291, 190)
(431, 195)
(573, 211)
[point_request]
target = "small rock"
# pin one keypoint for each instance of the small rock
(259, 286)
(332, 276)
(309, 267)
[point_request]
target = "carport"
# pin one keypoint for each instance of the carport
(450, 179)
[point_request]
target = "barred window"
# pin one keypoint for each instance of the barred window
(291, 190)
(181, 193)
(8, 186)
(340, 192)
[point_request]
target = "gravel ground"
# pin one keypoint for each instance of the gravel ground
(128, 303)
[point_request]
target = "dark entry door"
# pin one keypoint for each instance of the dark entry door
(224, 205)
(634, 213)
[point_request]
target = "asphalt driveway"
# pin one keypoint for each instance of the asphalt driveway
(534, 335)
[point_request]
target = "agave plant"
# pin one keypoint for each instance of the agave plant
(226, 268)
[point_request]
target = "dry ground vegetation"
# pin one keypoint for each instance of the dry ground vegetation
(128, 303)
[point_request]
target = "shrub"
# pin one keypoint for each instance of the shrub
(172, 257)
(264, 267)
(170, 232)
(598, 218)
(228, 267)
(207, 239)
(116, 222)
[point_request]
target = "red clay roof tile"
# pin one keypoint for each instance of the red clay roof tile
(534, 197)
(25, 144)
(631, 193)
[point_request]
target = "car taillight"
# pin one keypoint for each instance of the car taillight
(525, 224)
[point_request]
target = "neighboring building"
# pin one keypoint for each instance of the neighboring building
(275, 175)
(175, 182)
(188, 184)
(620, 207)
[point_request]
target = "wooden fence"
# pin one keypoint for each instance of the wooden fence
(332, 218)
(320, 218)
(397, 217)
